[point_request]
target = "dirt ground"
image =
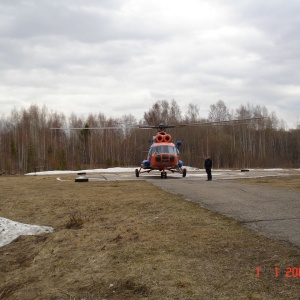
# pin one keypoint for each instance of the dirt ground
(131, 240)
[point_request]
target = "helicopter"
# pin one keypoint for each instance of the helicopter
(163, 155)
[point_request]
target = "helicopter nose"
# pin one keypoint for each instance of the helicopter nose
(165, 158)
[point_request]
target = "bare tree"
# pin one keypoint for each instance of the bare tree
(219, 112)
(26, 141)
(192, 115)
(163, 112)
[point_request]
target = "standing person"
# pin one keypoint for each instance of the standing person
(208, 166)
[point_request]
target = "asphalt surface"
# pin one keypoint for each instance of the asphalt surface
(274, 212)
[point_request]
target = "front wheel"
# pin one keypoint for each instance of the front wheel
(183, 172)
(163, 175)
(137, 173)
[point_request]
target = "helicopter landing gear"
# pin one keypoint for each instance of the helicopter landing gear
(137, 173)
(183, 172)
(163, 175)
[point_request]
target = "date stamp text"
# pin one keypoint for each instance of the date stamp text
(288, 272)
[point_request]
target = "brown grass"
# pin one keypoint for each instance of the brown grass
(130, 240)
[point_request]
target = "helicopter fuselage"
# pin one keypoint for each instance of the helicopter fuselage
(163, 155)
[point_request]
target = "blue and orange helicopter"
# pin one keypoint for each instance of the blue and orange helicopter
(163, 154)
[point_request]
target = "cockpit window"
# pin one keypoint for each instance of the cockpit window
(163, 149)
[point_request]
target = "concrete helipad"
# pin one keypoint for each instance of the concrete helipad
(275, 212)
(194, 174)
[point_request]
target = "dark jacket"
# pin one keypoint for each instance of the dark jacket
(208, 163)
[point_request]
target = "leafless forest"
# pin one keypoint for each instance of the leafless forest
(28, 143)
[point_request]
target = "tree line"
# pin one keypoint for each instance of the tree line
(29, 143)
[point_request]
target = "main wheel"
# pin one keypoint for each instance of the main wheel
(137, 173)
(183, 172)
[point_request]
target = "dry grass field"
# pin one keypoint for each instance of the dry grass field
(131, 240)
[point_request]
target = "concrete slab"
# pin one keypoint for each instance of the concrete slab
(285, 230)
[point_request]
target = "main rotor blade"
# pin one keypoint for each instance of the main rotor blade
(163, 126)
(228, 122)
(212, 123)
(82, 128)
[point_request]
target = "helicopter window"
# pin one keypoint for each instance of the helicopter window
(163, 149)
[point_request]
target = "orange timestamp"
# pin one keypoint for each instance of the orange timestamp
(289, 272)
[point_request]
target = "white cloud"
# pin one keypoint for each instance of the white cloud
(115, 55)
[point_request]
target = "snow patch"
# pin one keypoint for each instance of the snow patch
(108, 170)
(10, 230)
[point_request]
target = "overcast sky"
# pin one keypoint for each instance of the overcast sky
(120, 56)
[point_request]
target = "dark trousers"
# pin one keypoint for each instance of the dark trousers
(208, 171)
